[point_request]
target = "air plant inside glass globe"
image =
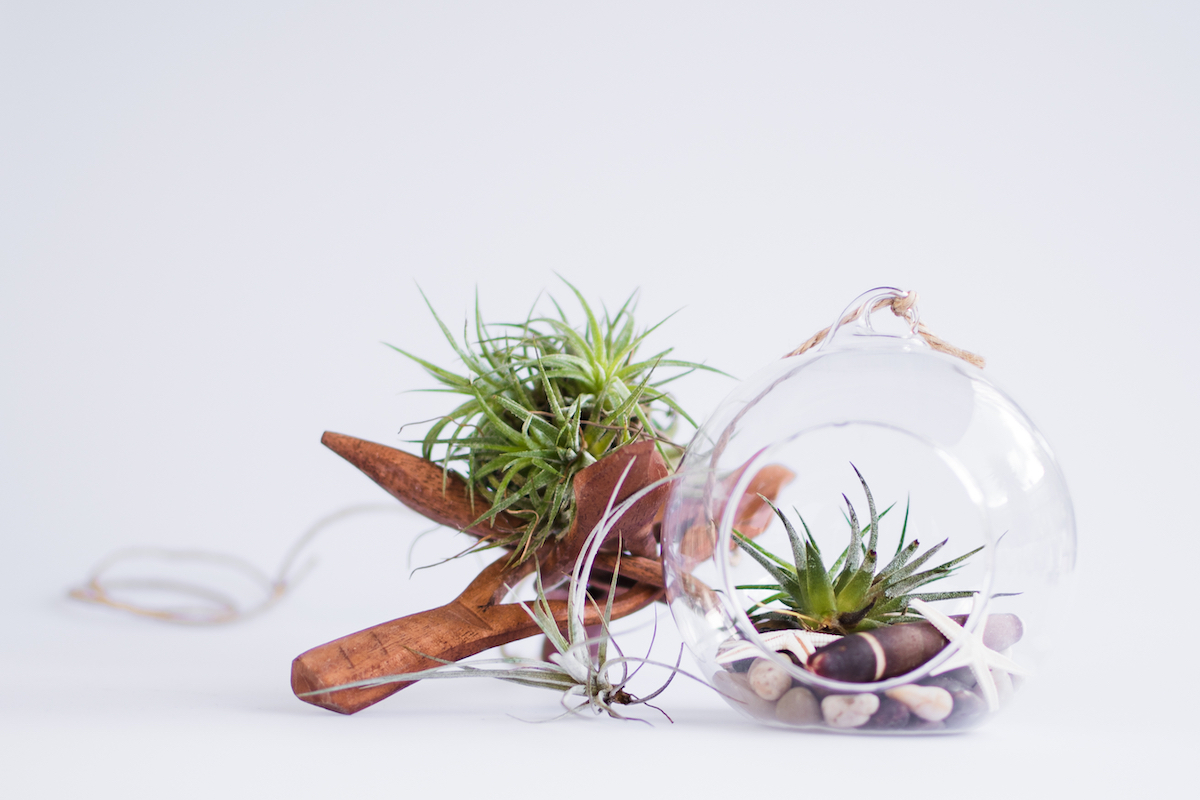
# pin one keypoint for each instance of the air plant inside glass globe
(922, 614)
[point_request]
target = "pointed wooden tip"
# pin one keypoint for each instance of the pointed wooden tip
(419, 483)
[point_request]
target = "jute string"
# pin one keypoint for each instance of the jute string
(216, 607)
(902, 307)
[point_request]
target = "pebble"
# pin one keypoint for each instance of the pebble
(849, 710)
(798, 706)
(969, 708)
(891, 715)
(735, 686)
(932, 703)
(962, 678)
(768, 680)
(1002, 631)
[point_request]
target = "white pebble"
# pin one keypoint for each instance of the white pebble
(768, 680)
(848, 710)
(932, 703)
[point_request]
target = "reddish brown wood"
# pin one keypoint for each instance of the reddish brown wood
(471, 623)
(752, 517)
(476, 620)
(421, 485)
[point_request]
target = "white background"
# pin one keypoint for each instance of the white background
(211, 216)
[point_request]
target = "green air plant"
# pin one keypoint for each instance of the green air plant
(544, 400)
(849, 596)
(574, 670)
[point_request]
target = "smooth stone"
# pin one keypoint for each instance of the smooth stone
(931, 703)
(798, 706)
(768, 680)
(962, 677)
(892, 714)
(969, 709)
(942, 681)
(1002, 631)
(849, 710)
(735, 686)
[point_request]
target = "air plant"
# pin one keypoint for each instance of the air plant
(544, 400)
(574, 669)
(849, 596)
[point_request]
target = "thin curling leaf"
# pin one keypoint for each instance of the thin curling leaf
(855, 556)
(799, 554)
(468, 359)
(901, 558)
(767, 560)
(445, 376)
(874, 538)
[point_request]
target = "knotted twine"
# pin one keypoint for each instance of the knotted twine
(902, 306)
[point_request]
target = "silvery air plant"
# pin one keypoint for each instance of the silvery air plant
(580, 669)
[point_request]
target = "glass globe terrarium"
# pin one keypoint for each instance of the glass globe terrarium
(906, 576)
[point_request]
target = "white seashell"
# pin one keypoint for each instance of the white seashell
(1004, 686)
(849, 710)
(931, 703)
(768, 680)
(800, 643)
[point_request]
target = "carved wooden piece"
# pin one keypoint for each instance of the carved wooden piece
(751, 518)
(421, 485)
(476, 620)
(469, 624)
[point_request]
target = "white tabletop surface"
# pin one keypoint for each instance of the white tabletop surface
(210, 219)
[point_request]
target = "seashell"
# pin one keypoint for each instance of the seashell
(799, 643)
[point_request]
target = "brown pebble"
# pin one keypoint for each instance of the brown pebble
(891, 715)
(798, 706)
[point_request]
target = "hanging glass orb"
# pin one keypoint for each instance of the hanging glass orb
(880, 433)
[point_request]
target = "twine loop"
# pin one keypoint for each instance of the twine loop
(903, 305)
